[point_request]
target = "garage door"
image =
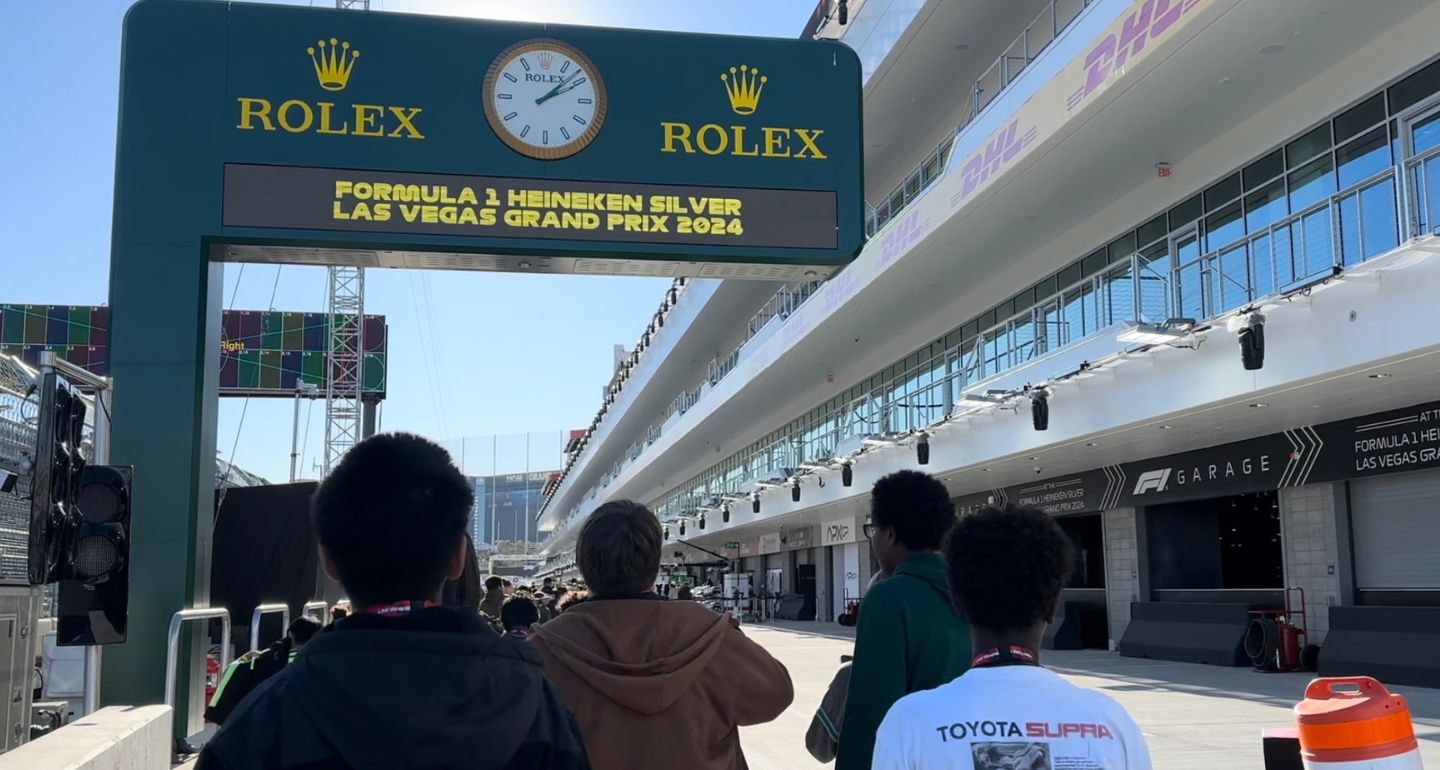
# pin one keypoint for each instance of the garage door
(1396, 526)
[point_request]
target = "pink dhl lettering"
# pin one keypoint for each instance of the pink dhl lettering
(1000, 150)
(1153, 19)
(906, 233)
(1134, 33)
(838, 289)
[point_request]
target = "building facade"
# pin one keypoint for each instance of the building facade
(505, 506)
(1168, 280)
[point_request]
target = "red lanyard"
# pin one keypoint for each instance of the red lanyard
(1013, 655)
(396, 608)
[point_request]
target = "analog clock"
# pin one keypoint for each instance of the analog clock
(544, 99)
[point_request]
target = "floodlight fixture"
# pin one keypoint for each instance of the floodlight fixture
(1172, 331)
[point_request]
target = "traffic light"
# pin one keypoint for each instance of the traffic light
(58, 465)
(95, 597)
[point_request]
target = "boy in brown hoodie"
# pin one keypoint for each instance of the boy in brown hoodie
(653, 683)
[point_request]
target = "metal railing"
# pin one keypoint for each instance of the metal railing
(622, 374)
(324, 611)
(1321, 238)
(172, 643)
(784, 304)
(1344, 229)
(1057, 16)
(1423, 192)
(283, 610)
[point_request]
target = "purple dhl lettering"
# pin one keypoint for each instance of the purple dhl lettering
(838, 289)
(1153, 19)
(1134, 33)
(1166, 14)
(995, 150)
(906, 233)
(1097, 64)
(1001, 148)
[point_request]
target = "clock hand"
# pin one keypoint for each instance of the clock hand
(556, 90)
(564, 89)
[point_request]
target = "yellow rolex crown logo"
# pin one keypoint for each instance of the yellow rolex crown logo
(546, 59)
(333, 63)
(744, 87)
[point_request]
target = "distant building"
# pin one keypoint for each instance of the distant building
(505, 506)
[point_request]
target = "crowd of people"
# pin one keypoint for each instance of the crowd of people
(435, 669)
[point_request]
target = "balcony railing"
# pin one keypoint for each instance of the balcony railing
(1057, 16)
(1157, 281)
(785, 302)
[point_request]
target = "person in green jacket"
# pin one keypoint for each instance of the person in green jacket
(909, 637)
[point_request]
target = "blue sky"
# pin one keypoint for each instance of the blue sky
(470, 354)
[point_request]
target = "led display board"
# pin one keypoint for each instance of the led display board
(262, 353)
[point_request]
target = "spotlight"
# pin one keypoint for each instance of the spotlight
(794, 490)
(702, 521)
(1252, 342)
(1040, 409)
(725, 514)
(755, 502)
(922, 448)
(847, 474)
(843, 15)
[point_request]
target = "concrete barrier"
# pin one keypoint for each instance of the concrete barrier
(114, 738)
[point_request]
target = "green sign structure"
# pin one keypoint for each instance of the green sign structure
(296, 135)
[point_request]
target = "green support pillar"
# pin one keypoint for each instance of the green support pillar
(165, 337)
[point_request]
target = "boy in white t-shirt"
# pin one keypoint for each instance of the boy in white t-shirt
(1006, 569)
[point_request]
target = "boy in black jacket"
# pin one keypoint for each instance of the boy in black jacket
(403, 682)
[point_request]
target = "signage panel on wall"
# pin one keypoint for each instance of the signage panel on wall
(840, 531)
(796, 539)
(1389, 442)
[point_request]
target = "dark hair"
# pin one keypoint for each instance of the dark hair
(390, 516)
(506, 582)
(518, 612)
(618, 550)
(302, 629)
(1006, 566)
(464, 591)
(493, 583)
(914, 504)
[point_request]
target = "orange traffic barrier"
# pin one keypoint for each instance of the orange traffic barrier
(1354, 722)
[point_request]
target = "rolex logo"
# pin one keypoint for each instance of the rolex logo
(546, 59)
(333, 63)
(744, 87)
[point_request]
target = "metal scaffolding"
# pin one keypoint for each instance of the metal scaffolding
(345, 375)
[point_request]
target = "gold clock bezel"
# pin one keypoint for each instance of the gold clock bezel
(560, 152)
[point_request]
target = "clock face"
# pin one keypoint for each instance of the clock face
(544, 99)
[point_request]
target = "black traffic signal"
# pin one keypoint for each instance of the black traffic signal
(58, 465)
(95, 597)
